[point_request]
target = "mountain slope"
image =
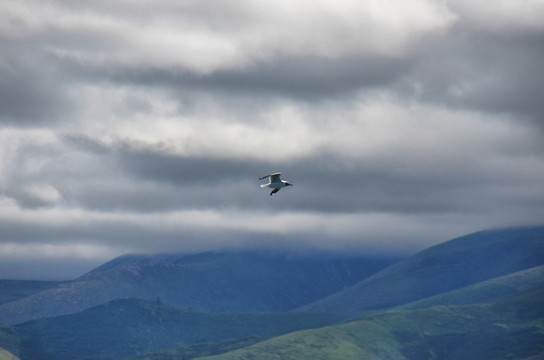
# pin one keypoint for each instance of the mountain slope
(200, 350)
(13, 290)
(512, 286)
(485, 290)
(124, 328)
(508, 328)
(216, 282)
(6, 355)
(445, 267)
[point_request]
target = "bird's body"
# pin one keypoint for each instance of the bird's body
(275, 182)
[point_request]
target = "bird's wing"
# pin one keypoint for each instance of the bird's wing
(273, 177)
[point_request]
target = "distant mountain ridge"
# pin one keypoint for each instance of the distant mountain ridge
(479, 296)
(448, 266)
(213, 281)
(13, 290)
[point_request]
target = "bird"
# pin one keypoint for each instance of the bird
(275, 183)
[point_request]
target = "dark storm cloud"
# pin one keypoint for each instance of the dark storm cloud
(463, 68)
(32, 88)
(312, 78)
(326, 184)
(148, 179)
(333, 184)
(486, 71)
(290, 77)
(182, 170)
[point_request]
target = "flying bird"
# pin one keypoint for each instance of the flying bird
(275, 183)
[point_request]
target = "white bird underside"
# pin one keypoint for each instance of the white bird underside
(275, 182)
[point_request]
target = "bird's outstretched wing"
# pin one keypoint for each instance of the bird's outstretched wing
(273, 177)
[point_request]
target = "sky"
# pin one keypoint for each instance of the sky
(132, 126)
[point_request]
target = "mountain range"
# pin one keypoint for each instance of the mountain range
(212, 281)
(479, 296)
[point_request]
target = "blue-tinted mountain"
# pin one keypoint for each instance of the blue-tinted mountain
(488, 290)
(216, 282)
(13, 290)
(130, 327)
(448, 266)
(475, 297)
(510, 326)
(440, 325)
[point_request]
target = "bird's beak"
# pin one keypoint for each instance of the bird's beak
(289, 184)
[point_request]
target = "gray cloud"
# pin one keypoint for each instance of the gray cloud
(304, 78)
(496, 73)
(143, 127)
(31, 87)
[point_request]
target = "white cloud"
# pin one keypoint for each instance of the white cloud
(87, 251)
(188, 38)
(43, 193)
(372, 126)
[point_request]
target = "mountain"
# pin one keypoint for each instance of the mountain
(475, 297)
(513, 285)
(129, 327)
(12, 290)
(214, 281)
(441, 268)
(505, 328)
(485, 290)
(510, 327)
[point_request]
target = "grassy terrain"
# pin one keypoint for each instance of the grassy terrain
(130, 327)
(191, 352)
(6, 355)
(509, 328)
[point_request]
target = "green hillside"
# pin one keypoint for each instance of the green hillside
(509, 328)
(441, 268)
(195, 351)
(130, 327)
(215, 282)
(6, 355)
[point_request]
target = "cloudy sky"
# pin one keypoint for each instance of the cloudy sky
(133, 126)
